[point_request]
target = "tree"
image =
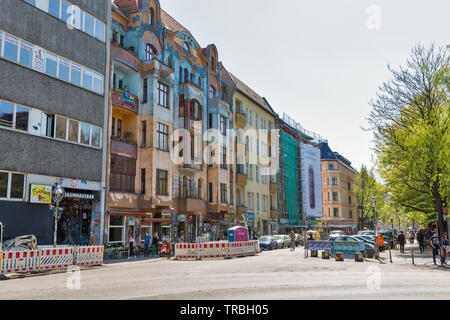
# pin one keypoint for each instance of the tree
(410, 120)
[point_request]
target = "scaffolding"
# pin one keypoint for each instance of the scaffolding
(291, 177)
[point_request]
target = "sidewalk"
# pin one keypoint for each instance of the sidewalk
(420, 260)
(137, 259)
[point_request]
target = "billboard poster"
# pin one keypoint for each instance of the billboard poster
(311, 181)
(41, 194)
(39, 59)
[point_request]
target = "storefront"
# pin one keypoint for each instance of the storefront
(120, 225)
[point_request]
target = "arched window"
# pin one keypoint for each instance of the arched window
(213, 64)
(186, 46)
(150, 52)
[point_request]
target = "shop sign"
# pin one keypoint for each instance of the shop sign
(41, 194)
(77, 195)
(251, 216)
(229, 217)
(181, 218)
(131, 221)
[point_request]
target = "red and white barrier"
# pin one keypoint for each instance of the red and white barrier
(185, 251)
(19, 261)
(89, 256)
(56, 258)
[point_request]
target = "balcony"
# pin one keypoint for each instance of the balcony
(191, 91)
(273, 214)
(191, 168)
(127, 56)
(125, 100)
(241, 120)
(190, 205)
(241, 179)
(273, 187)
(219, 207)
(123, 148)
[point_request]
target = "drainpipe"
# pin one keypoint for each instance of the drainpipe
(1, 236)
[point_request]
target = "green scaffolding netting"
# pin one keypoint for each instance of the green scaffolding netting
(290, 170)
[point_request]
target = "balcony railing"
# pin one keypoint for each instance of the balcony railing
(125, 100)
(121, 147)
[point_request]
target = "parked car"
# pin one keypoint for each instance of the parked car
(267, 243)
(282, 241)
(337, 233)
(366, 233)
(369, 249)
(364, 239)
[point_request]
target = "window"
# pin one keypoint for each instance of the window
(52, 64)
(100, 30)
(335, 196)
(87, 79)
(223, 125)
(85, 133)
(64, 67)
(116, 229)
(250, 202)
(331, 166)
(264, 203)
(151, 17)
(26, 51)
(98, 83)
(12, 186)
(6, 113)
(350, 214)
(210, 192)
(75, 74)
(145, 95)
(96, 136)
(210, 120)
(144, 134)
(223, 165)
(22, 116)
(258, 208)
(66, 11)
(150, 52)
(48, 124)
(73, 131)
(88, 24)
(161, 182)
(349, 186)
(212, 92)
(256, 121)
(162, 137)
(11, 46)
(186, 46)
(53, 8)
(113, 126)
(61, 127)
(196, 111)
(349, 200)
(163, 95)
(223, 193)
(123, 172)
(334, 181)
(257, 173)
(119, 128)
(336, 212)
(1, 42)
(143, 181)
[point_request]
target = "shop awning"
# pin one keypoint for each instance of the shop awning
(127, 213)
(157, 220)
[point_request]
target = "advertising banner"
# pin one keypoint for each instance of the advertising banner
(312, 180)
(39, 59)
(41, 194)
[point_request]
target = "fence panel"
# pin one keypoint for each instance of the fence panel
(89, 256)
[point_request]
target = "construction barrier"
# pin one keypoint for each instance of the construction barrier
(19, 261)
(185, 251)
(55, 258)
(49, 258)
(89, 256)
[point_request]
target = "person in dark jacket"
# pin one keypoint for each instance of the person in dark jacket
(402, 241)
(147, 245)
(436, 246)
(421, 240)
(155, 246)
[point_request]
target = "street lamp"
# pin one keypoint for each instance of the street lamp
(58, 195)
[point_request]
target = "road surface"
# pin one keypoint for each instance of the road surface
(278, 274)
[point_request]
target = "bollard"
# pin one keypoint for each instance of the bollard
(359, 257)
(339, 256)
(314, 253)
(326, 255)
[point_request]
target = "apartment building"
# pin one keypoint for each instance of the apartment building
(53, 101)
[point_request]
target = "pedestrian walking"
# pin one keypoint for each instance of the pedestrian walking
(402, 241)
(435, 245)
(411, 237)
(445, 247)
(147, 240)
(131, 243)
(421, 240)
(155, 245)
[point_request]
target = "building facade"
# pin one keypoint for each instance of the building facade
(53, 104)
(255, 159)
(339, 202)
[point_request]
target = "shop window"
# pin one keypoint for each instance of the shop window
(116, 229)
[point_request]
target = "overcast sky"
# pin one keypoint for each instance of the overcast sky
(318, 61)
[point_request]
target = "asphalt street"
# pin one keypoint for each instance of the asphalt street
(278, 274)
